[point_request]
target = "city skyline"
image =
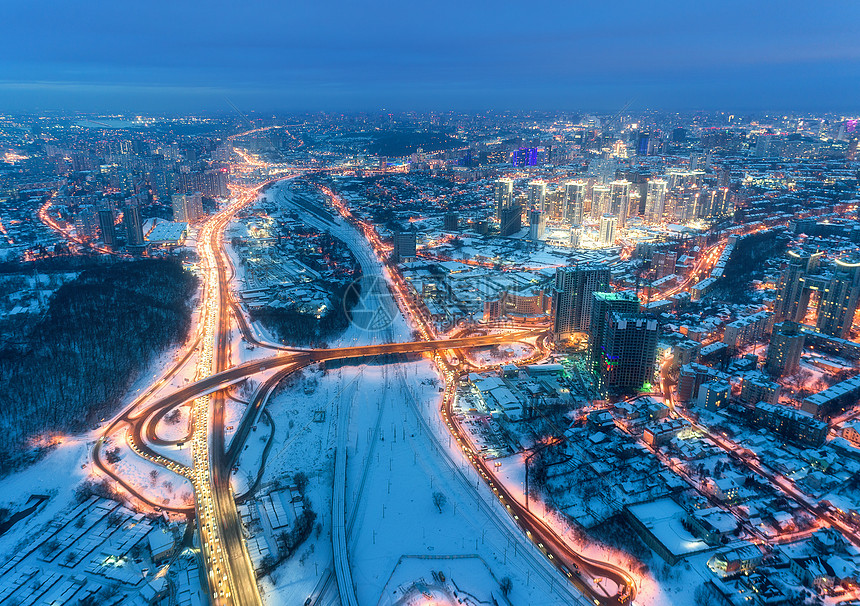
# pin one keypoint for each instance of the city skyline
(344, 304)
(256, 360)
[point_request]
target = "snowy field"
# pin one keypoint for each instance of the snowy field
(398, 460)
(412, 505)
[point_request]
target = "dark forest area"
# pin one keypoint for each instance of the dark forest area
(98, 334)
(299, 329)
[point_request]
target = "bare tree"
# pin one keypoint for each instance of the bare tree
(439, 500)
(173, 416)
(112, 455)
(300, 479)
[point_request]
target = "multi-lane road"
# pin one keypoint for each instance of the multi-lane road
(229, 570)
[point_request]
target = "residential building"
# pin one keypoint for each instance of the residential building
(504, 196)
(600, 204)
(537, 195)
(574, 201)
(663, 263)
(405, 243)
(792, 295)
(572, 296)
(757, 388)
(133, 225)
(510, 220)
(790, 423)
(602, 305)
(838, 303)
(690, 379)
(628, 352)
(619, 195)
(747, 330)
(537, 225)
(714, 395)
(162, 544)
(607, 230)
(657, 434)
(87, 223)
(740, 558)
(785, 349)
(451, 221)
(187, 208)
(655, 201)
(834, 399)
(107, 227)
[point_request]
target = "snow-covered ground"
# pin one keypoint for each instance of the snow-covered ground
(153, 481)
(251, 457)
(62, 470)
(57, 476)
(503, 354)
(398, 457)
(395, 465)
(177, 428)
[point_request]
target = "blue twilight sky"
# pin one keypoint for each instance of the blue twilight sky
(187, 55)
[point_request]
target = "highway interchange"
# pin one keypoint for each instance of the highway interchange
(230, 573)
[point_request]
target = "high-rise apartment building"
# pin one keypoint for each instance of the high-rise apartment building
(87, 223)
(633, 204)
(607, 230)
(655, 200)
(793, 292)
(600, 204)
(133, 225)
(628, 351)
(837, 292)
(663, 263)
(194, 205)
(644, 144)
(511, 220)
(537, 195)
(574, 201)
(504, 196)
(572, 296)
(684, 203)
(405, 245)
(211, 183)
(451, 221)
(554, 203)
(107, 227)
(187, 208)
(785, 349)
(619, 194)
(678, 178)
(178, 201)
(537, 225)
(715, 203)
(838, 302)
(602, 304)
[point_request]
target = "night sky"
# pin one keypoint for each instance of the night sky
(186, 56)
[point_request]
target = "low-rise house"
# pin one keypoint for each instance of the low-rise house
(741, 558)
(711, 525)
